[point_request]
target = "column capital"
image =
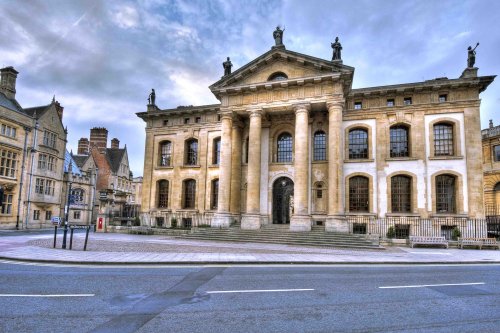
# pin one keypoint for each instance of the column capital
(334, 104)
(226, 115)
(301, 107)
(255, 112)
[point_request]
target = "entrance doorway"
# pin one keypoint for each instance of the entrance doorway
(282, 200)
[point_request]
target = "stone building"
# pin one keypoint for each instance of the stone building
(32, 146)
(292, 142)
(491, 166)
(114, 180)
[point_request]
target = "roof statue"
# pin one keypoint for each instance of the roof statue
(227, 66)
(278, 36)
(337, 48)
(152, 98)
(471, 56)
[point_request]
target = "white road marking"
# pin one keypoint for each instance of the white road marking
(254, 291)
(433, 285)
(47, 295)
(444, 254)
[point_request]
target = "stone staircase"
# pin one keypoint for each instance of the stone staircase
(280, 234)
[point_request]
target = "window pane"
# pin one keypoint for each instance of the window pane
(399, 141)
(358, 144)
(216, 151)
(189, 193)
(358, 194)
(162, 194)
(166, 153)
(443, 140)
(320, 146)
(215, 194)
(445, 194)
(497, 153)
(284, 148)
(192, 152)
(401, 194)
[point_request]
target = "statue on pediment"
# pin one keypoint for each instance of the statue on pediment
(278, 36)
(227, 66)
(471, 56)
(152, 97)
(337, 48)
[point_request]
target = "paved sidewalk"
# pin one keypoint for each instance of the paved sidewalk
(137, 250)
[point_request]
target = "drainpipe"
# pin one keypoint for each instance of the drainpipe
(25, 151)
(33, 151)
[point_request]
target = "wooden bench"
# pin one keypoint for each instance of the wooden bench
(426, 240)
(480, 242)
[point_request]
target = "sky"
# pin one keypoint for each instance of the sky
(102, 58)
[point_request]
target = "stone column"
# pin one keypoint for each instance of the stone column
(335, 221)
(301, 220)
(251, 220)
(236, 170)
(223, 218)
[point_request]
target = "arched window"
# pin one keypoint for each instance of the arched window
(319, 146)
(163, 194)
(77, 195)
(443, 139)
(401, 194)
(278, 76)
(285, 144)
(214, 194)
(399, 141)
(216, 151)
(192, 152)
(358, 143)
(359, 194)
(189, 188)
(165, 153)
(445, 194)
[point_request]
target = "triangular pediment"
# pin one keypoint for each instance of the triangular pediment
(278, 60)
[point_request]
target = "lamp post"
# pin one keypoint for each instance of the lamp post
(66, 207)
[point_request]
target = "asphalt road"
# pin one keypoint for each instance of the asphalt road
(249, 299)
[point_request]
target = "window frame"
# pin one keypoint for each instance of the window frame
(403, 140)
(191, 152)
(319, 147)
(189, 194)
(357, 196)
(352, 145)
(284, 148)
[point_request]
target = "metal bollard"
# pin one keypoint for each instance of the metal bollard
(71, 239)
(86, 239)
(55, 235)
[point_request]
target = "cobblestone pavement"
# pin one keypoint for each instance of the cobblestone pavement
(139, 249)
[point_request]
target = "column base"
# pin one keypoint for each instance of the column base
(300, 223)
(250, 221)
(336, 224)
(222, 220)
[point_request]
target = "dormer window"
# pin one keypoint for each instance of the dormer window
(278, 76)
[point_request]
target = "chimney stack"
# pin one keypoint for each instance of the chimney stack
(8, 82)
(83, 146)
(99, 138)
(115, 143)
(59, 110)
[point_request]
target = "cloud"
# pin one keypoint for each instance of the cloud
(126, 17)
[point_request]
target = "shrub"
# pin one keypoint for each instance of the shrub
(137, 221)
(455, 234)
(173, 222)
(391, 233)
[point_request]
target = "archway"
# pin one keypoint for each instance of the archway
(282, 200)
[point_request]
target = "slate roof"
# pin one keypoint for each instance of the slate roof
(39, 110)
(80, 159)
(9, 103)
(114, 157)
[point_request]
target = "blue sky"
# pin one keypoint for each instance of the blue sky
(101, 58)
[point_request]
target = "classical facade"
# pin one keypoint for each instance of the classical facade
(292, 142)
(491, 165)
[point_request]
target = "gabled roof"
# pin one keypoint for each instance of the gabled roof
(114, 157)
(276, 53)
(80, 159)
(36, 110)
(10, 104)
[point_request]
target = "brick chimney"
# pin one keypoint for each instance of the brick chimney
(115, 143)
(99, 138)
(8, 82)
(60, 110)
(83, 146)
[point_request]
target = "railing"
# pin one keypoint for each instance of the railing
(184, 220)
(404, 227)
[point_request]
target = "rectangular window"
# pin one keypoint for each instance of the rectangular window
(359, 228)
(36, 215)
(8, 163)
(51, 163)
(198, 120)
(443, 98)
(7, 204)
(358, 105)
(39, 185)
(42, 162)
(165, 123)
(496, 152)
(390, 102)
(443, 140)
(49, 187)
(8, 131)
(77, 214)
(186, 120)
(48, 215)
(319, 194)
(407, 101)
(49, 139)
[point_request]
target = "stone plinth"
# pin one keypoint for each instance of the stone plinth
(336, 224)
(469, 72)
(250, 221)
(222, 220)
(300, 223)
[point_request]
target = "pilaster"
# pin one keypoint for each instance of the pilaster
(223, 218)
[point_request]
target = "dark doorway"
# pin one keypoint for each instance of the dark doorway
(282, 193)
